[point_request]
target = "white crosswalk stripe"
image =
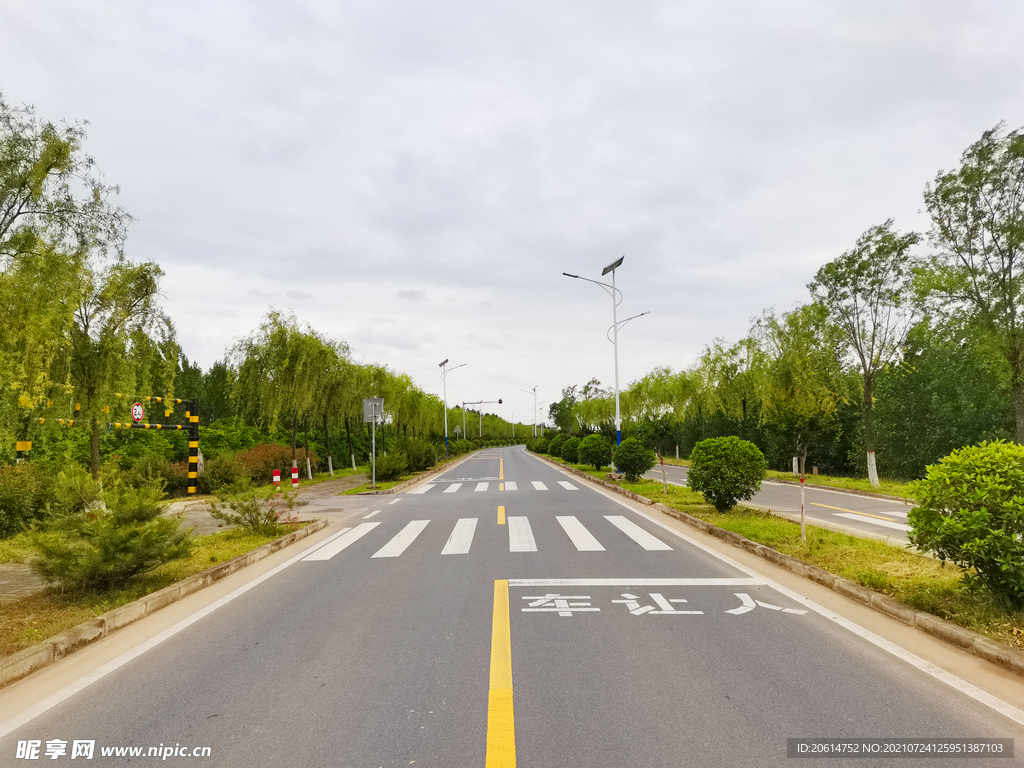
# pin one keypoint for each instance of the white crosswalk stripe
(580, 536)
(510, 485)
(462, 537)
(328, 551)
(482, 486)
(402, 539)
(567, 485)
(422, 489)
(453, 488)
(636, 533)
(539, 485)
(520, 535)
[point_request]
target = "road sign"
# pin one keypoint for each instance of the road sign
(373, 409)
(138, 414)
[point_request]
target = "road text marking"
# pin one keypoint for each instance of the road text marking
(641, 582)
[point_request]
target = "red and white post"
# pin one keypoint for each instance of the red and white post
(277, 479)
(295, 478)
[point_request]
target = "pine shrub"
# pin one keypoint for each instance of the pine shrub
(392, 465)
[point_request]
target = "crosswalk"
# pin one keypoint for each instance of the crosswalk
(619, 531)
(484, 486)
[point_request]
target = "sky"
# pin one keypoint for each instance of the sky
(414, 178)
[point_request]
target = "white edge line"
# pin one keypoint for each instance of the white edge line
(983, 697)
(27, 715)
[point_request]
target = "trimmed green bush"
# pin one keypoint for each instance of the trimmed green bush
(571, 450)
(595, 451)
(555, 444)
(726, 470)
(970, 511)
(633, 458)
(540, 446)
(392, 465)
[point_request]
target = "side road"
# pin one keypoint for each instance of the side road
(972, 642)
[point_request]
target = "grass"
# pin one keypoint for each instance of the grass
(889, 487)
(381, 485)
(15, 549)
(41, 616)
(920, 582)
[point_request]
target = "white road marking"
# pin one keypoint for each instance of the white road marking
(422, 489)
(567, 485)
(873, 521)
(520, 535)
(538, 485)
(739, 582)
(402, 539)
(462, 537)
(580, 536)
(510, 485)
(453, 488)
(481, 486)
(636, 533)
(367, 517)
(329, 551)
(395, 501)
(959, 684)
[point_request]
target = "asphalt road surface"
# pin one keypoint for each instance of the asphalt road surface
(507, 614)
(830, 508)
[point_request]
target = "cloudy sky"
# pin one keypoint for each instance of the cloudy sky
(414, 177)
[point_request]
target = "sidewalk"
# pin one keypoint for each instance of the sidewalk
(18, 580)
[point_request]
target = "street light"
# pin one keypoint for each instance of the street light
(477, 402)
(444, 374)
(534, 393)
(616, 295)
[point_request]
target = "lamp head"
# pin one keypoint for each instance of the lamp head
(441, 364)
(614, 265)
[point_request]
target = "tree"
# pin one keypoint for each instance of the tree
(115, 313)
(977, 273)
(51, 195)
(867, 294)
(726, 470)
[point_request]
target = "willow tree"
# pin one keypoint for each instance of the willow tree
(868, 294)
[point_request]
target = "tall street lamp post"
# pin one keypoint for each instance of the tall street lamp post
(613, 332)
(534, 393)
(444, 373)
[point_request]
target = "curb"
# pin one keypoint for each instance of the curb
(22, 663)
(972, 642)
(438, 470)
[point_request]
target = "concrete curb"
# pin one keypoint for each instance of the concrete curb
(972, 642)
(18, 665)
(438, 470)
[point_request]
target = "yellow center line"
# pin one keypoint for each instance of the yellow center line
(501, 486)
(501, 469)
(853, 511)
(501, 515)
(501, 730)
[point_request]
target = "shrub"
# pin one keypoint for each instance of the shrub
(460, 446)
(153, 468)
(726, 470)
(595, 451)
(238, 505)
(540, 446)
(392, 466)
(633, 458)
(25, 492)
(422, 455)
(93, 546)
(970, 510)
(260, 462)
(221, 472)
(555, 445)
(570, 450)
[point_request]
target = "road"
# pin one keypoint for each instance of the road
(507, 613)
(831, 508)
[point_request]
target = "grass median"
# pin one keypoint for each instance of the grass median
(918, 581)
(33, 619)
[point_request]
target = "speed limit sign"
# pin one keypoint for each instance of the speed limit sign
(137, 413)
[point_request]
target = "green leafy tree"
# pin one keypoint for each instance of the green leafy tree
(970, 511)
(867, 292)
(595, 451)
(633, 458)
(569, 450)
(726, 470)
(977, 271)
